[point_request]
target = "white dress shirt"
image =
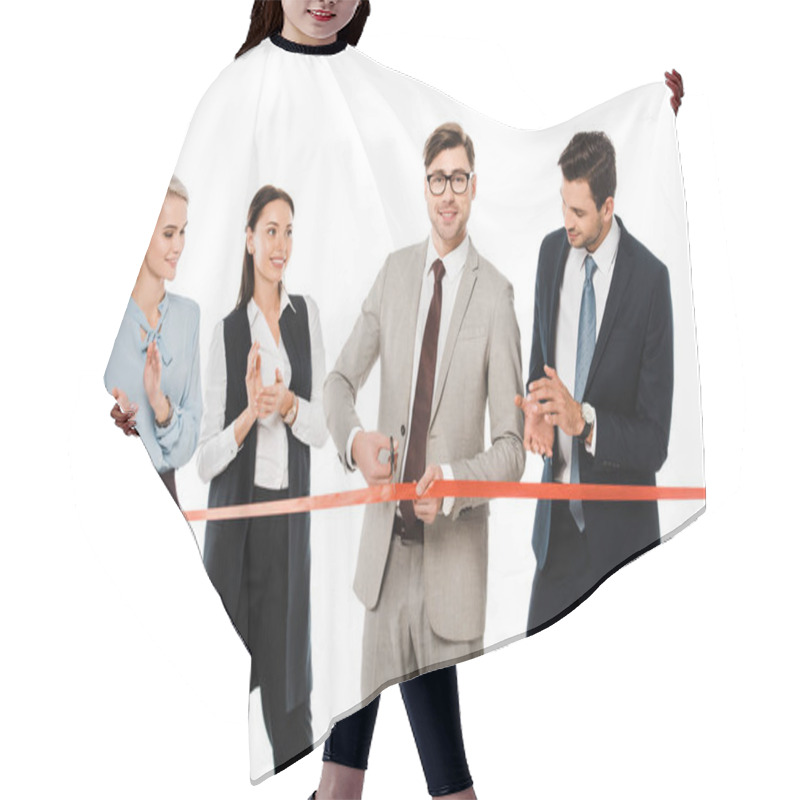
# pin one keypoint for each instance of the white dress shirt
(569, 310)
(218, 444)
(454, 263)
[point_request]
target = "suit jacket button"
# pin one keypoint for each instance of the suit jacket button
(402, 430)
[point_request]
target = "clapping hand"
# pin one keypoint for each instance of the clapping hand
(274, 397)
(124, 413)
(152, 383)
(256, 400)
(539, 434)
(554, 403)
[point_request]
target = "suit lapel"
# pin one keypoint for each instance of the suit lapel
(553, 304)
(554, 300)
(623, 267)
(287, 336)
(463, 295)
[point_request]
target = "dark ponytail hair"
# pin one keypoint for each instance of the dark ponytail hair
(263, 197)
(266, 19)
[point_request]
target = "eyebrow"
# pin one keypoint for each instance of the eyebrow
(572, 208)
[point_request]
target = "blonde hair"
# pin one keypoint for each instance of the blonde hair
(177, 188)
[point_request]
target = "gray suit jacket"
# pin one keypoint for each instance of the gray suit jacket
(481, 364)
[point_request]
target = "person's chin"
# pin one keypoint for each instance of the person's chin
(450, 232)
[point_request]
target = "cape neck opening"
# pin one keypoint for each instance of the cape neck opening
(308, 49)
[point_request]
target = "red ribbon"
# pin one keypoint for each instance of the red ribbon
(493, 490)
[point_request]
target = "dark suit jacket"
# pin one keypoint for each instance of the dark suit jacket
(629, 384)
(223, 553)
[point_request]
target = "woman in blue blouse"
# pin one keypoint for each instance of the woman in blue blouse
(154, 369)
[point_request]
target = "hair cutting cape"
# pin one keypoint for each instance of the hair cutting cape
(344, 137)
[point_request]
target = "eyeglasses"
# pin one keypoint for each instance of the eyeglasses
(459, 181)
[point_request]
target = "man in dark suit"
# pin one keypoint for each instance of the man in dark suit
(600, 383)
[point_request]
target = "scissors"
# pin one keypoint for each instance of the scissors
(390, 456)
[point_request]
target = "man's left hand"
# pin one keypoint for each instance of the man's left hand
(426, 508)
(556, 404)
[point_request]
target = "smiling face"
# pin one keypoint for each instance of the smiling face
(166, 244)
(315, 22)
(270, 243)
(586, 225)
(449, 212)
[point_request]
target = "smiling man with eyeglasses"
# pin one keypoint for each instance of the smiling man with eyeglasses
(441, 319)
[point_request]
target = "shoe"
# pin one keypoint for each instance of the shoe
(313, 795)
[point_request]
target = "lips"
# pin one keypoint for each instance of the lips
(321, 16)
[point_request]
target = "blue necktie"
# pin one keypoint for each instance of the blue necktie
(587, 335)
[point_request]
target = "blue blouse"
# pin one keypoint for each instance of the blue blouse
(177, 339)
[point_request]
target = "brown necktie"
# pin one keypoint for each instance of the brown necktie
(423, 399)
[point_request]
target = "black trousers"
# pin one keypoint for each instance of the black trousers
(568, 570)
(576, 564)
(169, 481)
(433, 710)
(266, 576)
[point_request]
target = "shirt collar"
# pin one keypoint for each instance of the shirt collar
(454, 261)
(253, 311)
(152, 334)
(309, 50)
(140, 317)
(606, 254)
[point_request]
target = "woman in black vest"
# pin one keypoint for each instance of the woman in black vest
(263, 410)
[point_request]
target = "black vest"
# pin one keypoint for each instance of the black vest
(223, 552)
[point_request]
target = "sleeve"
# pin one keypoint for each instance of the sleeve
(537, 359)
(504, 460)
(309, 426)
(348, 451)
(178, 440)
(352, 368)
(217, 443)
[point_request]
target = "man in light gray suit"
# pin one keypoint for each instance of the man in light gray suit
(441, 319)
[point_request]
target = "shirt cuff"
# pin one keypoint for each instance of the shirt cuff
(592, 448)
(229, 447)
(163, 431)
(447, 502)
(348, 453)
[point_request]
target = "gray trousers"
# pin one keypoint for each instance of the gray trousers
(399, 642)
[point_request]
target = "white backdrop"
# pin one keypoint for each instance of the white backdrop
(357, 191)
(122, 675)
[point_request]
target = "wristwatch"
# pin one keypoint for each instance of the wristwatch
(587, 412)
(291, 415)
